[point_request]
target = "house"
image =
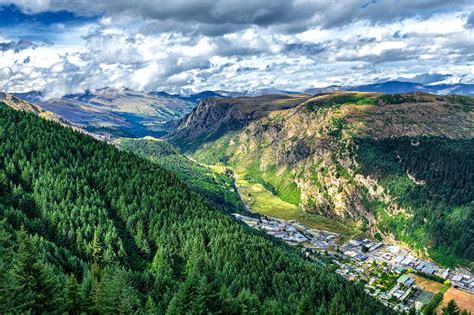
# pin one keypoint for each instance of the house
(361, 257)
(408, 260)
(375, 246)
(399, 259)
(406, 280)
(405, 295)
(429, 269)
(350, 253)
(355, 243)
(399, 270)
(393, 249)
(445, 274)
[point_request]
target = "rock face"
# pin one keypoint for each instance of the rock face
(305, 151)
(214, 117)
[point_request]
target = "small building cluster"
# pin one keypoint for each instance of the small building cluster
(462, 279)
(387, 271)
(291, 232)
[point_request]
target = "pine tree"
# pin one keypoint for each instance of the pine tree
(8, 283)
(38, 287)
(72, 297)
(451, 309)
(150, 306)
(305, 306)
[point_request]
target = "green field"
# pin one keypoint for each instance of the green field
(264, 202)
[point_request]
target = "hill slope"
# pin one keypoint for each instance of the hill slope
(216, 188)
(22, 105)
(326, 155)
(88, 228)
(117, 113)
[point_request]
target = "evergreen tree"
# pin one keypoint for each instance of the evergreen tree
(451, 309)
(71, 207)
(37, 286)
(72, 297)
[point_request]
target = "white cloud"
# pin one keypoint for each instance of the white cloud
(258, 46)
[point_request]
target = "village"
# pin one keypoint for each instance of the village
(390, 273)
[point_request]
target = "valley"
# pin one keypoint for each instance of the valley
(264, 202)
(352, 176)
(113, 113)
(362, 159)
(251, 157)
(391, 274)
(89, 228)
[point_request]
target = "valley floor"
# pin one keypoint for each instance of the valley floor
(261, 201)
(393, 275)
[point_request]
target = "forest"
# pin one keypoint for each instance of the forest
(86, 227)
(441, 199)
(218, 189)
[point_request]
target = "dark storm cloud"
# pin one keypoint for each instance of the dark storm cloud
(305, 49)
(190, 29)
(385, 11)
(287, 16)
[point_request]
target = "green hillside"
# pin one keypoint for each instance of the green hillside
(440, 193)
(88, 228)
(389, 165)
(216, 188)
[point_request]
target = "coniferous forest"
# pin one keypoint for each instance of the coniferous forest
(217, 189)
(88, 228)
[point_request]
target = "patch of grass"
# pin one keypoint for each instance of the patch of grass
(338, 100)
(395, 98)
(464, 299)
(280, 183)
(264, 202)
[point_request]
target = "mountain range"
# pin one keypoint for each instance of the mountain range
(114, 113)
(397, 168)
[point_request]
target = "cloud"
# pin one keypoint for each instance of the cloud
(426, 78)
(199, 44)
(17, 46)
(291, 14)
(470, 20)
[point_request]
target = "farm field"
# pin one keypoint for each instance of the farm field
(428, 285)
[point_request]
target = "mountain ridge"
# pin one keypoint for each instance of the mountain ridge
(311, 153)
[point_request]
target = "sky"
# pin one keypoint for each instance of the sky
(61, 47)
